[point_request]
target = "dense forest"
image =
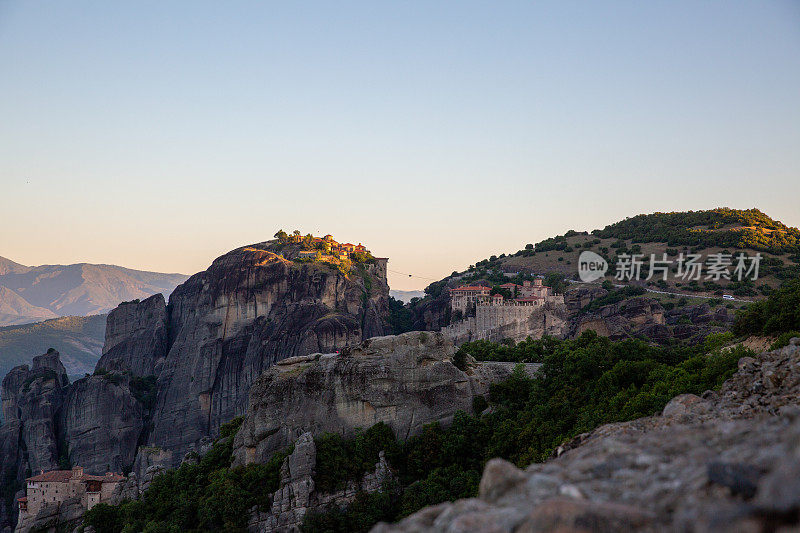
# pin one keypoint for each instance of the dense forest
(721, 227)
(204, 494)
(777, 315)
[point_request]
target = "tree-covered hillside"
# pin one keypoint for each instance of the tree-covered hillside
(672, 235)
(721, 227)
(79, 340)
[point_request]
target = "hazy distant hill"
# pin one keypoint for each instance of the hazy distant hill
(78, 338)
(30, 294)
(406, 296)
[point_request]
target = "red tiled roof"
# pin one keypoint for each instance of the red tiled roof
(505, 285)
(63, 476)
(472, 288)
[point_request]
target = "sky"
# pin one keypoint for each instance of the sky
(159, 135)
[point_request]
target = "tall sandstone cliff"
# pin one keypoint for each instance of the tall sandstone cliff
(49, 423)
(223, 327)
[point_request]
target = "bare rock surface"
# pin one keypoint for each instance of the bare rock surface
(193, 361)
(250, 309)
(31, 398)
(54, 516)
(136, 337)
(406, 381)
(727, 461)
(100, 423)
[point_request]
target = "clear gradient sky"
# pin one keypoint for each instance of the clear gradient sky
(159, 135)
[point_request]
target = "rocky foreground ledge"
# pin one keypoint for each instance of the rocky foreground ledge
(726, 461)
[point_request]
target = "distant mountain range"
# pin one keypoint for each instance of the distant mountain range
(31, 294)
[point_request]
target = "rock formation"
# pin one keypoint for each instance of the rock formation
(226, 325)
(54, 516)
(296, 495)
(432, 314)
(95, 422)
(31, 399)
(643, 317)
(726, 461)
(100, 424)
(628, 318)
(406, 381)
(136, 337)
(222, 328)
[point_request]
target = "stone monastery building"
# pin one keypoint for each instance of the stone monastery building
(492, 316)
(527, 294)
(56, 486)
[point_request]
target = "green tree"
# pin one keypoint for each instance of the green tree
(555, 280)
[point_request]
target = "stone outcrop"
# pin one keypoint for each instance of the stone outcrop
(406, 381)
(624, 319)
(578, 297)
(432, 314)
(249, 310)
(149, 463)
(644, 317)
(95, 422)
(100, 423)
(136, 337)
(31, 398)
(726, 461)
(296, 495)
(54, 516)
